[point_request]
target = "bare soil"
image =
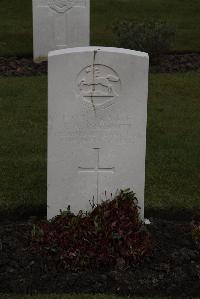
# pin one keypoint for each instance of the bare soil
(170, 63)
(172, 270)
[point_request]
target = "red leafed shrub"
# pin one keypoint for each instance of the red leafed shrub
(110, 233)
(195, 228)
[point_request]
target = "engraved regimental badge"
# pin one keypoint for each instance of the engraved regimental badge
(61, 6)
(98, 85)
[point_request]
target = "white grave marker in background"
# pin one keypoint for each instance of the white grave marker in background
(59, 24)
(97, 125)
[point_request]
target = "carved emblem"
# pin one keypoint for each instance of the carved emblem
(98, 85)
(61, 6)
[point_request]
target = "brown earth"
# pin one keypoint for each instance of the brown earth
(172, 270)
(170, 63)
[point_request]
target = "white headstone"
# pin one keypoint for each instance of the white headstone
(97, 125)
(59, 24)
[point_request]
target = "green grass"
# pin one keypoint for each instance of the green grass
(16, 22)
(15, 27)
(23, 119)
(173, 148)
(184, 15)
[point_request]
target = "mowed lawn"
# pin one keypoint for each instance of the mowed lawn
(16, 22)
(173, 148)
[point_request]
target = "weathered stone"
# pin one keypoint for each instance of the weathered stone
(97, 125)
(59, 24)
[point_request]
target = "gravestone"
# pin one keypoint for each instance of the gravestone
(59, 24)
(97, 114)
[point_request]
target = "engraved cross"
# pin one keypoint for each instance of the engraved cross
(97, 169)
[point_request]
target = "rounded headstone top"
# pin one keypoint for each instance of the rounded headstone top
(98, 49)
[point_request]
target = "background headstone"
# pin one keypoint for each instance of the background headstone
(59, 24)
(97, 125)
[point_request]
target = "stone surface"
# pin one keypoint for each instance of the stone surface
(97, 118)
(59, 24)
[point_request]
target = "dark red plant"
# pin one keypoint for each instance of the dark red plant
(195, 228)
(112, 231)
